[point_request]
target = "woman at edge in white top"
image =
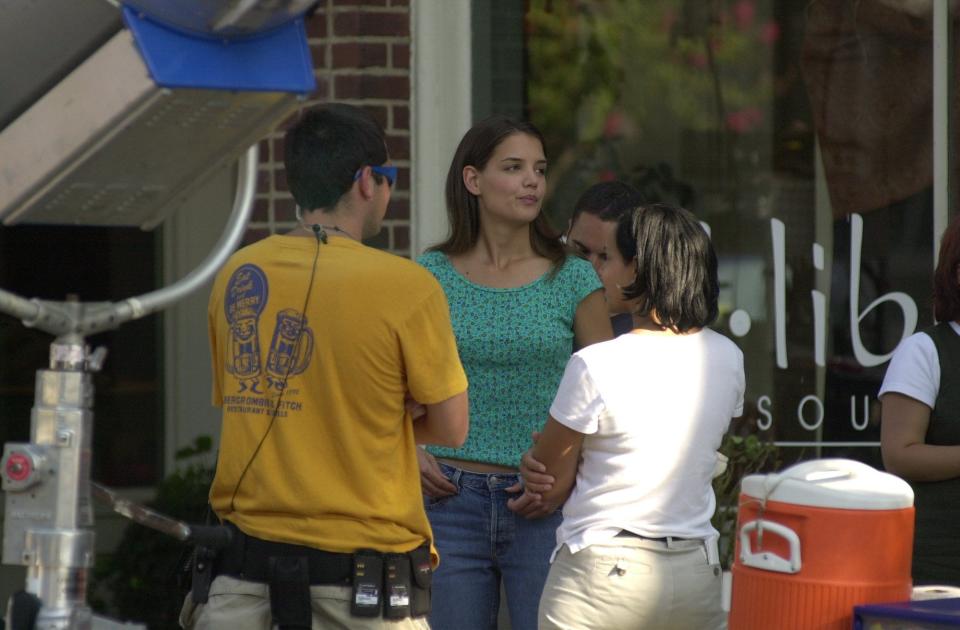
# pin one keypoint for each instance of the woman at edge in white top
(920, 423)
(632, 439)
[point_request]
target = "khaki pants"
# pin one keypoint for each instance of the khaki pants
(633, 583)
(238, 605)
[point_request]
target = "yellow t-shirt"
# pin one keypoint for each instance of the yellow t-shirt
(337, 470)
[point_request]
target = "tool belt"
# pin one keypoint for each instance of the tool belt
(395, 585)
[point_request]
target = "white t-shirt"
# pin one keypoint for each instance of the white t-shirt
(654, 408)
(914, 370)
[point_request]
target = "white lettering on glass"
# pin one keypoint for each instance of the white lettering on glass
(862, 424)
(818, 300)
(777, 233)
(812, 426)
(763, 408)
(904, 301)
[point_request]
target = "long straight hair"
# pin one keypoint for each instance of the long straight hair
(463, 208)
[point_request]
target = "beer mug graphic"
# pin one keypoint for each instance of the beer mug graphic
(287, 356)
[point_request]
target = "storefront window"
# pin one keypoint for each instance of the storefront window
(801, 134)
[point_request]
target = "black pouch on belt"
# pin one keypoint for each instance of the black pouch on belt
(289, 580)
(396, 585)
(201, 573)
(422, 568)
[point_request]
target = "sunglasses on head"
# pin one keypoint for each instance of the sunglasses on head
(390, 172)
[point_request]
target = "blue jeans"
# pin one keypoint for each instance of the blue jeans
(481, 542)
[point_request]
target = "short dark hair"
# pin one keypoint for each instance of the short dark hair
(675, 263)
(475, 149)
(607, 200)
(324, 149)
(946, 291)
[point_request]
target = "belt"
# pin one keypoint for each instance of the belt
(248, 558)
(664, 539)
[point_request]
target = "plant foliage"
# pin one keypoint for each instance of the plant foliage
(747, 455)
(142, 579)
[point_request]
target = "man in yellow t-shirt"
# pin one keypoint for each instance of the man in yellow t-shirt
(320, 347)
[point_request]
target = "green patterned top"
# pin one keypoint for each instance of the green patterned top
(514, 344)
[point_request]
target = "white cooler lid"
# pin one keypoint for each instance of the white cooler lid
(832, 483)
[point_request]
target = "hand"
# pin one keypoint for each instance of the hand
(415, 409)
(529, 504)
(434, 483)
(534, 473)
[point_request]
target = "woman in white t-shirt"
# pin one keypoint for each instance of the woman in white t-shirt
(920, 423)
(632, 438)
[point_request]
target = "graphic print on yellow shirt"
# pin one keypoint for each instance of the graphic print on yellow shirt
(245, 299)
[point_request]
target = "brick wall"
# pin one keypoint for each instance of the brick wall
(361, 56)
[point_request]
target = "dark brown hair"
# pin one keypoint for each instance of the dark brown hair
(475, 149)
(946, 290)
(608, 201)
(675, 263)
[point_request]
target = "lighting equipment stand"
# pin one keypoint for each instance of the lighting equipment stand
(47, 480)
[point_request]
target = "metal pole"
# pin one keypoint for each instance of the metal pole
(941, 123)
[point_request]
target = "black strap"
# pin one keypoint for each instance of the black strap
(23, 610)
(202, 574)
(290, 593)
(248, 558)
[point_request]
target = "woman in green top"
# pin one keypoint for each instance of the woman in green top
(519, 305)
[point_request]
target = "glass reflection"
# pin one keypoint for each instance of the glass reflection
(801, 134)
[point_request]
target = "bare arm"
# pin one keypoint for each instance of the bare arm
(903, 431)
(444, 423)
(558, 449)
(434, 483)
(591, 321)
(558, 452)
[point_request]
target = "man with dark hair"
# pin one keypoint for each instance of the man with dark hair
(594, 219)
(320, 344)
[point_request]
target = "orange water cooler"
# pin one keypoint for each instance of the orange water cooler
(816, 540)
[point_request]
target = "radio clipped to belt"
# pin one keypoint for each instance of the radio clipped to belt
(422, 571)
(396, 585)
(367, 595)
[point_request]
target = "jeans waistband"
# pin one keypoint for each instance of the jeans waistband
(479, 481)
